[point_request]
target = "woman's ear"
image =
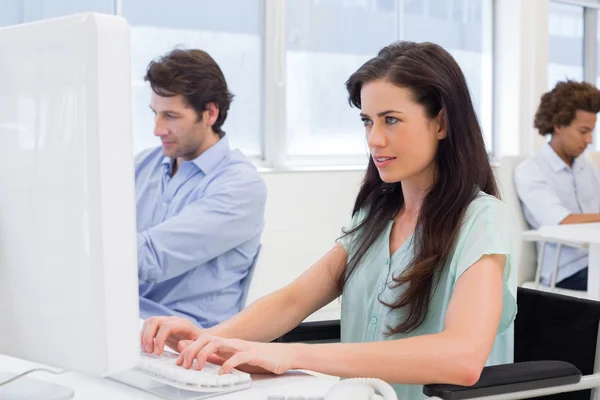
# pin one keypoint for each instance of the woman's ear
(442, 125)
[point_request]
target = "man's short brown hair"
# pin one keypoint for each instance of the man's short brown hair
(558, 107)
(194, 75)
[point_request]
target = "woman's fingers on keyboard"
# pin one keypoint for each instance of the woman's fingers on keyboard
(187, 356)
(236, 360)
(211, 347)
(182, 344)
(165, 330)
(160, 331)
(215, 359)
(148, 333)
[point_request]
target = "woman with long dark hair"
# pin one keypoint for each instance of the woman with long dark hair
(425, 269)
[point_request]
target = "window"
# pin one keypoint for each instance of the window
(596, 144)
(328, 40)
(33, 10)
(10, 13)
(464, 28)
(229, 30)
(14, 12)
(323, 43)
(565, 26)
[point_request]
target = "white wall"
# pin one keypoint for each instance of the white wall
(520, 65)
(304, 216)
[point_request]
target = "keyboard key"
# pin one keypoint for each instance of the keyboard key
(163, 369)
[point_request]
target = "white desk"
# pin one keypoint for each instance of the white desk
(575, 235)
(95, 388)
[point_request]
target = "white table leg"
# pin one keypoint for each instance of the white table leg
(594, 272)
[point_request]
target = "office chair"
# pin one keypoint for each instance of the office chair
(529, 265)
(557, 353)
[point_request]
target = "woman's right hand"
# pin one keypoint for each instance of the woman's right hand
(160, 331)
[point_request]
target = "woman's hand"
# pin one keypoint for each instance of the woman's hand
(252, 357)
(160, 331)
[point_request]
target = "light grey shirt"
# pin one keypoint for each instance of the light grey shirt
(549, 191)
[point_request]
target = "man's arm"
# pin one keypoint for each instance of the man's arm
(580, 219)
(537, 193)
(589, 217)
(541, 199)
(230, 213)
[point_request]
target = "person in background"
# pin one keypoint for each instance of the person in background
(426, 269)
(559, 185)
(200, 204)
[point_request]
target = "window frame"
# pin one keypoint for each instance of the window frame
(590, 45)
(273, 140)
(274, 123)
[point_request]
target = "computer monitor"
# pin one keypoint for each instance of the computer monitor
(68, 268)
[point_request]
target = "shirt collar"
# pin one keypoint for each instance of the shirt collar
(557, 163)
(207, 161)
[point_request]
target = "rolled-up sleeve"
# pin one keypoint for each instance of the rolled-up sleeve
(348, 240)
(538, 196)
(230, 213)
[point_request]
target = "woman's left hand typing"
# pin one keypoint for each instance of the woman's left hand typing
(251, 357)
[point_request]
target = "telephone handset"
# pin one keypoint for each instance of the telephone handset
(361, 389)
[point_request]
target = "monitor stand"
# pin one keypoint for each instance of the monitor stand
(31, 388)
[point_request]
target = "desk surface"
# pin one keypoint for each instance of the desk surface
(95, 388)
(578, 233)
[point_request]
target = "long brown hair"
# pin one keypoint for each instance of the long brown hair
(462, 169)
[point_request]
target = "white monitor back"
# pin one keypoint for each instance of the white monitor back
(68, 269)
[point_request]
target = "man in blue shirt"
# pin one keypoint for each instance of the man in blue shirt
(559, 185)
(200, 205)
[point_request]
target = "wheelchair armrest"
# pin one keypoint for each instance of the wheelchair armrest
(313, 332)
(510, 378)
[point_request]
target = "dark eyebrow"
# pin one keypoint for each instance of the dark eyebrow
(165, 111)
(381, 114)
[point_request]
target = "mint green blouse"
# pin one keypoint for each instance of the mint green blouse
(487, 229)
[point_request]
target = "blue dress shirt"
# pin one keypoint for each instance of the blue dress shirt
(550, 191)
(198, 232)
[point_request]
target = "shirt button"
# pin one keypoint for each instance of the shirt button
(387, 262)
(163, 204)
(374, 320)
(380, 289)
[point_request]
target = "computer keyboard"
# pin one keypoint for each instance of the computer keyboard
(163, 369)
